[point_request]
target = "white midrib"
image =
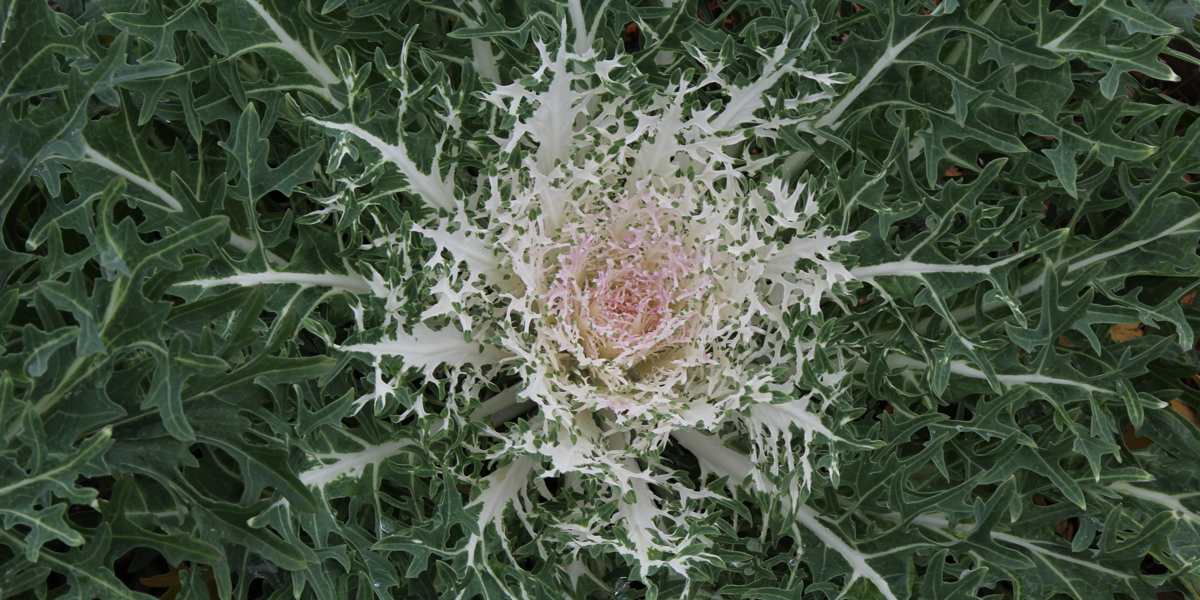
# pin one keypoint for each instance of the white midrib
(352, 283)
(1054, 44)
(354, 462)
(485, 61)
(1040, 280)
(797, 160)
(941, 524)
(350, 464)
(240, 242)
(8, 20)
(858, 561)
(959, 367)
(432, 189)
(916, 269)
(91, 155)
(884, 62)
(248, 245)
(67, 467)
(1075, 266)
(507, 483)
(1167, 500)
(723, 461)
(287, 43)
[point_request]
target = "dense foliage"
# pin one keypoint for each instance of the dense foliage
(537, 299)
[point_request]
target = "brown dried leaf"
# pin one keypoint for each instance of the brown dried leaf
(1133, 441)
(1124, 333)
(171, 581)
(1188, 412)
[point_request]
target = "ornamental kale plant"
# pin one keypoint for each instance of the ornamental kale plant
(625, 299)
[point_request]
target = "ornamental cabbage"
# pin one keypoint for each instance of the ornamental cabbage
(615, 300)
(630, 257)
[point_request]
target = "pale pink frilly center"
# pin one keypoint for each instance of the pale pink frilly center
(629, 299)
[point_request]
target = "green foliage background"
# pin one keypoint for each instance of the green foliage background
(1023, 169)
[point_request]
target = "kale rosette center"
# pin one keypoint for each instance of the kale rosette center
(632, 300)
